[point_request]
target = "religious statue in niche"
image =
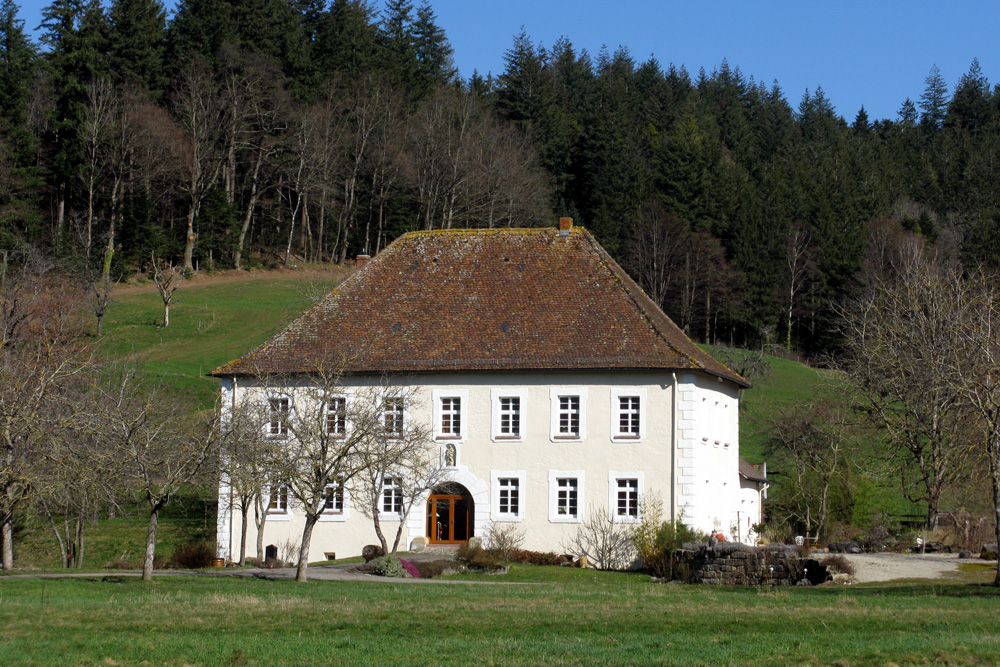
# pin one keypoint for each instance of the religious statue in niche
(450, 455)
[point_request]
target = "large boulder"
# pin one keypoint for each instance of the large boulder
(849, 547)
(371, 551)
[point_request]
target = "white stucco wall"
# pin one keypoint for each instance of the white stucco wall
(707, 454)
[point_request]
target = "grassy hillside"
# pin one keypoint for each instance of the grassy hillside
(211, 322)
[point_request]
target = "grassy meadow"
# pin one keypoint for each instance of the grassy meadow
(589, 618)
(211, 322)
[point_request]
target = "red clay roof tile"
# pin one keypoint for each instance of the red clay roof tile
(511, 299)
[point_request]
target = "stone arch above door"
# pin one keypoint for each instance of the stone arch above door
(480, 491)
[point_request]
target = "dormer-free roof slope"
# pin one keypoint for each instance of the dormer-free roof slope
(457, 300)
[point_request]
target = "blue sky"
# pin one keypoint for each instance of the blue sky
(872, 53)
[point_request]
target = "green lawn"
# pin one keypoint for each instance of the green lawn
(621, 621)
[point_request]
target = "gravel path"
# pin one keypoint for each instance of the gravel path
(889, 566)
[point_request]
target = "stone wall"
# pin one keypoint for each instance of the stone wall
(734, 564)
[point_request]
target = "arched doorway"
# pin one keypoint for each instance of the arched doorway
(450, 513)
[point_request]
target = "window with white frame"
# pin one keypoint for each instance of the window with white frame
(507, 495)
(336, 416)
(451, 417)
(625, 495)
(278, 410)
(627, 498)
(510, 417)
(449, 423)
(568, 408)
(333, 498)
(566, 497)
(393, 416)
(277, 499)
(628, 413)
(628, 416)
(510, 496)
(509, 413)
(392, 495)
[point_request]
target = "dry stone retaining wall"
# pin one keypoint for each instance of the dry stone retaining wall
(734, 564)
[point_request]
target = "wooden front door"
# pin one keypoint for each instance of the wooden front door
(447, 518)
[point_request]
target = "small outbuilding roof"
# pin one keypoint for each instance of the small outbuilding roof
(485, 299)
(750, 472)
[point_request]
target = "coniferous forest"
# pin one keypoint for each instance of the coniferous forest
(237, 133)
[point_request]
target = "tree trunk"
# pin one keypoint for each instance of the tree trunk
(994, 456)
(300, 571)
(189, 239)
(147, 561)
(243, 534)
(166, 315)
(7, 531)
(378, 529)
(79, 540)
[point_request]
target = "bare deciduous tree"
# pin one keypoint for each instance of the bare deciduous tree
(160, 444)
(168, 279)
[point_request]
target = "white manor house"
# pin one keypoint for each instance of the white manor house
(549, 384)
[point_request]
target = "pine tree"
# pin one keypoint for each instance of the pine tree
(18, 63)
(138, 44)
(971, 108)
(934, 100)
(861, 125)
(432, 51)
(907, 113)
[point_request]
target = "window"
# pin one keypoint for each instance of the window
(448, 422)
(278, 499)
(336, 416)
(569, 416)
(392, 416)
(278, 409)
(628, 413)
(451, 417)
(566, 498)
(568, 413)
(628, 498)
(510, 417)
(510, 497)
(392, 495)
(509, 413)
(624, 495)
(333, 498)
(507, 501)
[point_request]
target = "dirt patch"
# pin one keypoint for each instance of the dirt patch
(890, 566)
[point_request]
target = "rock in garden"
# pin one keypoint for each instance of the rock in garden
(371, 551)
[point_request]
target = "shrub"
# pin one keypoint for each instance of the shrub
(503, 540)
(478, 558)
(606, 543)
(657, 540)
(410, 568)
(387, 566)
(838, 563)
(534, 557)
(431, 569)
(193, 555)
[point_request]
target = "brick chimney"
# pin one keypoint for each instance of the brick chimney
(565, 224)
(361, 260)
